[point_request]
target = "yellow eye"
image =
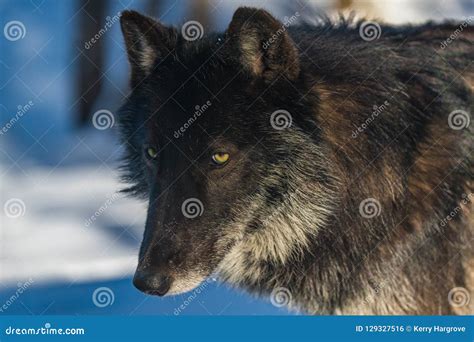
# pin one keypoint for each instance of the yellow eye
(220, 158)
(151, 152)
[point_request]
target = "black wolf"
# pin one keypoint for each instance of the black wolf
(317, 162)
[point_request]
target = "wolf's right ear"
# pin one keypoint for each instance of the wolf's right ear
(264, 47)
(146, 41)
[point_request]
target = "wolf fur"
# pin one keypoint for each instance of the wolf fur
(287, 210)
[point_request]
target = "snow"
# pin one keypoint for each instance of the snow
(53, 240)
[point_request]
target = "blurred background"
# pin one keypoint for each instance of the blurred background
(68, 241)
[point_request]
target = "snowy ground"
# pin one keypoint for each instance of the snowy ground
(53, 240)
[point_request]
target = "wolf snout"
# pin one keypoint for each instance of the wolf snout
(151, 282)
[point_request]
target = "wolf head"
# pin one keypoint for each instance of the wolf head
(222, 141)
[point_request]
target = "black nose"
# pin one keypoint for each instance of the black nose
(152, 282)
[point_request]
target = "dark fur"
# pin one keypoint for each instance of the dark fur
(404, 261)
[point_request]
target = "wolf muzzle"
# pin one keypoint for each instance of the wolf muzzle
(152, 282)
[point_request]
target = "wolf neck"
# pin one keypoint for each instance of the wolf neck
(281, 250)
(324, 270)
(317, 279)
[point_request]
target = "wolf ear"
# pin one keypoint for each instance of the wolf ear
(146, 41)
(263, 45)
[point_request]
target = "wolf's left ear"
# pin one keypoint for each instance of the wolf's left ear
(147, 41)
(263, 44)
